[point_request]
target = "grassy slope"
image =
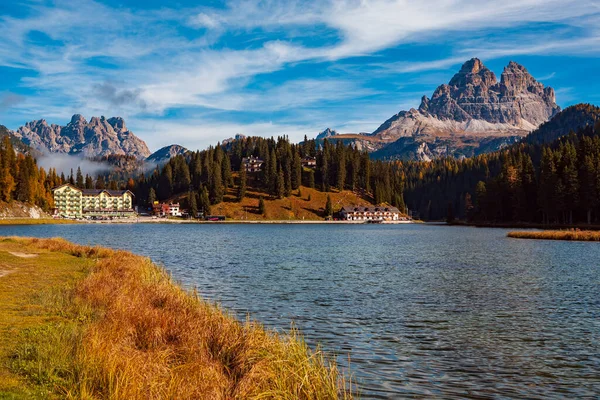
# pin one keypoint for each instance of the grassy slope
(293, 207)
(81, 322)
(28, 288)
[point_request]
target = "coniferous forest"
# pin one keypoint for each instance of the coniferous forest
(535, 181)
(552, 176)
(206, 175)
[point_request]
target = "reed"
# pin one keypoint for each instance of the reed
(585, 236)
(131, 333)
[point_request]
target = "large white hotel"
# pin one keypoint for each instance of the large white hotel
(72, 202)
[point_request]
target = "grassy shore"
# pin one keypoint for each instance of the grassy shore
(585, 236)
(36, 221)
(91, 323)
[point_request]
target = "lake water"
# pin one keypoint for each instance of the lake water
(421, 311)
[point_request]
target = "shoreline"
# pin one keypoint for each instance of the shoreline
(111, 324)
(570, 235)
(150, 220)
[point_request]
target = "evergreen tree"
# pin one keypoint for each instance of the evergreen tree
(296, 171)
(79, 179)
(226, 169)
(193, 204)
(151, 197)
(242, 187)
(100, 182)
(328, 207)
(280, 192)
(204, 201)
(216, 185)
(261, 206)
(89, 182)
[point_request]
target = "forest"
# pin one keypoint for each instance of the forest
(206, 175)
(551, 177)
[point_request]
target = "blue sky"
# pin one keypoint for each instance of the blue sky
(195, 73)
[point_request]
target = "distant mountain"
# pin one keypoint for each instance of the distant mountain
(327, 133)
(163, 155)
(98, 137)
(570, 119)
(473, 113)
(233, 139)
(17, 143)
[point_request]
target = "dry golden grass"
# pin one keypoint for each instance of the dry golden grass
(585, 236)
(309, 206)
(36, 221)
(131, 333)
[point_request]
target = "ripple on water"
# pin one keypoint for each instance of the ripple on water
(414, 311)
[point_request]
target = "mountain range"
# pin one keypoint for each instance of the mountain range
(96, 138)
(472, 114)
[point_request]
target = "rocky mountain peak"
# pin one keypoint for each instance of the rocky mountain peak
(98, 137)
(78, 119)
(117, 123)
(164, 154)
(475, 93)
(328, 132)
(473, 72)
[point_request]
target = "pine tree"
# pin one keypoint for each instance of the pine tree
(193, 204)
(296, 171)
(280, 185)
(151, 197)
(79, 179)
(328, 207)
(242, 187)
(261, 206)
(226, 169)
(204, 201)
(216, 185)
(100, 182)
(89, 182)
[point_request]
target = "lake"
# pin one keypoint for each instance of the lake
(421, 311)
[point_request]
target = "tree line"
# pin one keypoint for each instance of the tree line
(208, 175)
(22, 180)
(535, 181)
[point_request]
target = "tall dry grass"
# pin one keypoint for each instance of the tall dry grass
(143, 337)
(586, 236)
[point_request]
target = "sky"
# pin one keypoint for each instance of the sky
(197, 72)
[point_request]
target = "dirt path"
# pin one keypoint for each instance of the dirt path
(22, 255)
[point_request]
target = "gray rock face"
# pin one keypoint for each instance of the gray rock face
(164, 154)
(474, 93)
(327, 133)
(471, 114)
(98, 137)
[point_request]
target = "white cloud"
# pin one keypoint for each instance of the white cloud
(158, 69)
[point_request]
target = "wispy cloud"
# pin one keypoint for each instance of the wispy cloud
(266, 58)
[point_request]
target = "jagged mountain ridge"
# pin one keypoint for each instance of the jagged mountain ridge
(473, 113)
(164, 154)
(96, 138)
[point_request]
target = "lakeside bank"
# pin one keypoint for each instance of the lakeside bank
(573, 235)
(150, 220)
(80, 321)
